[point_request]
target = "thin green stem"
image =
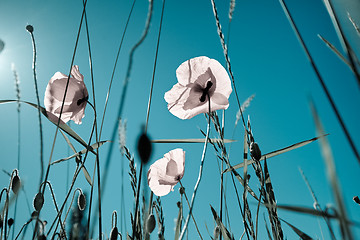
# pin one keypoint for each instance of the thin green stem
(95, 123)
(61, 111)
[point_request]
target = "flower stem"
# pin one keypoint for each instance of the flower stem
(187, 200)
(200, 175)
(38, 103)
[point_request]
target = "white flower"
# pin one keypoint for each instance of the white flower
(76, 96)
(199, 79)
(166, 172)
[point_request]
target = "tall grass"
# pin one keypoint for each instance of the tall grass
(254, 196)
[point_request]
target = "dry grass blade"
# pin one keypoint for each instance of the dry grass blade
(62, 126)
(300, 233)
(245, 105)
(332, 176)
(225, 233)
(278, 152)
(335, 50)
(192, 140)
(313, 212)
(272, 210)
(354, 24)
(93, 147)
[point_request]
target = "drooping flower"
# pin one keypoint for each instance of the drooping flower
(199, 79)
(166, 172)
(76, 96)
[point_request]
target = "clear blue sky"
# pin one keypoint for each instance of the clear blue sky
(266, 58)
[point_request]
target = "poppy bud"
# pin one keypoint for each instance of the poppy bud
(150, 223)
(114, 233)
(255, 151)
(182, 190)
(15, 184)
(81, 201)
(38, 201)
(144, 148)
(10, 222)
(30, 28)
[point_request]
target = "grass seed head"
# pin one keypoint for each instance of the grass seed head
(38, 201)
(255, 151)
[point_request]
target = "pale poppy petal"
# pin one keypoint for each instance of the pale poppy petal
(76, 96)
(198, 79)
(166, 172)
(76, 74)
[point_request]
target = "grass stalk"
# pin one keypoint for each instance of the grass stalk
(30, 29)
(322, 83)
(199, 177)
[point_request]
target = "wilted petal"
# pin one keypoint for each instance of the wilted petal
(166, 172)
(190, 96)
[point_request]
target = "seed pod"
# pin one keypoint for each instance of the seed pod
(255, 151)
(38, 201)
(29, 28)
(10, 222)
(150, 223)
(144, 148)
(15, 184)
(41, 237)
(182, 190)
(114, 233)
(81, 201)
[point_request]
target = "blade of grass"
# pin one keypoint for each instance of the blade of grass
(335, 51)
(225, 233)
(300, 233)
(191, 140)
(332, 176)
(52, 118)
(321, 81)
(278, 152)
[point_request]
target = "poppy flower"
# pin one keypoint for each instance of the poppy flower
(199, 79)
(166, 172)
(76, 96)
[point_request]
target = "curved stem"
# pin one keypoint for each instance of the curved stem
(38, 102)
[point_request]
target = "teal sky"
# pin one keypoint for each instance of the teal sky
(267, 60)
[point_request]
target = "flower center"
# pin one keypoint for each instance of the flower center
(82, 100)
(205, 91)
